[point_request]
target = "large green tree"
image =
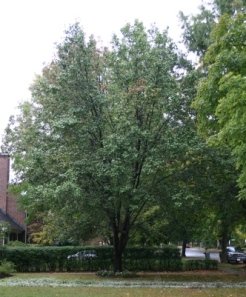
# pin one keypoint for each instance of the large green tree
(98, 131)
(200, 38)
(220, 102)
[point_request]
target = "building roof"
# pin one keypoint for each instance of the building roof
(16, 227)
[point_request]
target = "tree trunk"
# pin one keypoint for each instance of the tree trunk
(119, 247)
(120, 237)
(117, 260)
(224, 242)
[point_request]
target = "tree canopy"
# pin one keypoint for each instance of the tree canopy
(108, 143)
(220, 101)
(99, 130)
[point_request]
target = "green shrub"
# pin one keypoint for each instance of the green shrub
(16, 243)
(111, 273)
(45, 259)
(200, 265)
(6, 268)
(152, 259)
(211, 264)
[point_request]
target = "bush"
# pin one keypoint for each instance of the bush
(110, 273)
(152, 259)
(6, 268)
(16, 243)
(200, 265)
(45, 259)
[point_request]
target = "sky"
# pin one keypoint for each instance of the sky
(29, 30)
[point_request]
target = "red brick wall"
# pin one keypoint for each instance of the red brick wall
(4, 179)
(14, 211)
(8, 202)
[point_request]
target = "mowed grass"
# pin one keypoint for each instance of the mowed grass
(239, 275)
(119, 292)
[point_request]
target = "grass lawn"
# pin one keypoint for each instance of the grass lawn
(146, 284)
(119, 292)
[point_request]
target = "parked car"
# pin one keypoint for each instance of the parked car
(235, 256)
(83, 255)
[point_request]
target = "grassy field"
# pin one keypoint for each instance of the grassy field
(89, 285)
(119, 292)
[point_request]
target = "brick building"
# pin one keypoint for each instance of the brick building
(9, 210)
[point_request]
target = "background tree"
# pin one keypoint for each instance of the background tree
(220, 98)
(150, 228)
(195, 28)
(5, 229)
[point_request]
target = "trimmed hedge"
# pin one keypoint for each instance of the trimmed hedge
(201, 265)
(152, 259)
(45, 259)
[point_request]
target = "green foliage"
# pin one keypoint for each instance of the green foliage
(97, 133)
(108, 144)
(4, 228)
(42, 259)
(148, 230)
(220, 99)
(6, 268)
(200, 265)
(230, 7)
(16, 243)
(149, 259)
(197, 29)
(110, 273)
(221, 44)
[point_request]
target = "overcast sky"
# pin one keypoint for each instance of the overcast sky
(29, 30)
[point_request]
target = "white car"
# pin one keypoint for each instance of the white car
(89, 254)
